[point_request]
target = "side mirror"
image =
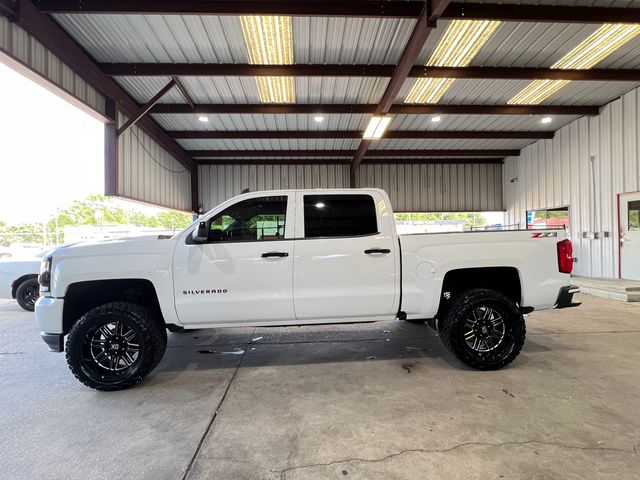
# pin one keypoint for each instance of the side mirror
(200, 234)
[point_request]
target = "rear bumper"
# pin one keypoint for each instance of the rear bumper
(49, 320)
(565, 297)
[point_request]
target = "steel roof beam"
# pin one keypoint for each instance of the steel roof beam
(145, 108)
(312, 109)
(348, 153)
(415, 134)
(421, 31)
(309, 8)
(46, 31)
(378, 71)
(346, 161)
(541, 13)
(183, 91)
(353, 8)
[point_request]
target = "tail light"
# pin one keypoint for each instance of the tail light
(565, 256)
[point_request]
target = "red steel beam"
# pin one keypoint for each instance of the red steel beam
(409, 109)
(541, 13)
(418, 134)
(346, 161)
(47, 32)
(417, 71)
(352, 8)
(323, 8)
(145, 108)
(347, 153)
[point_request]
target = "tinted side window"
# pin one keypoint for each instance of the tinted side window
(339, 215)
(256, 219)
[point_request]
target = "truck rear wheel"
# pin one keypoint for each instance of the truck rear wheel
(483, 328)
(115, 346)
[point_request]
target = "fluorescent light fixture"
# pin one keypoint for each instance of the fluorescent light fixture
(460, 43)
(377, 126)
(319, 205)
(203, 118)
(545, 120)
(595, 48)
(435, 119)
(269, 42)
(276, 89)
(318, 118)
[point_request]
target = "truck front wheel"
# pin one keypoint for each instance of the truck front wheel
(114, 346)
(483, 328)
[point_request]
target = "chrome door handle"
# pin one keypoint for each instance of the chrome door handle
(372, 251)
(274, 254)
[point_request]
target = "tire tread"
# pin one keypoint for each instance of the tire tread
(151, 333)
(446, 328)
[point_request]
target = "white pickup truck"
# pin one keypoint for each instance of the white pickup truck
(296, 257)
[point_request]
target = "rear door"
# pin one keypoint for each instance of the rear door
(345, 257)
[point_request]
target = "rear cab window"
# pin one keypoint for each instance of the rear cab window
(339, 215)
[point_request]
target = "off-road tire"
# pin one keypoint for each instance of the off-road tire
(452, 329)
(27, 293)
(149, 336)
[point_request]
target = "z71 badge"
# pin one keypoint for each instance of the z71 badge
(544, 234)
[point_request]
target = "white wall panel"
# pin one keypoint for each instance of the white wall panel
(221, 182)
(17, 43)
(437, 187)
(558, 173)
(148, 173)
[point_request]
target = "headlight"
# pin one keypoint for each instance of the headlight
(44, 279)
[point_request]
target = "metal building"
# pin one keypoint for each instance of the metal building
(512, 120)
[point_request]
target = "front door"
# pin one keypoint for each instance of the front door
(630, 236)
(244, 273)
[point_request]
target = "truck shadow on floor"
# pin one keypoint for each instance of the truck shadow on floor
(211, 351)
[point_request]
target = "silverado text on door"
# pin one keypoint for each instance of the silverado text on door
(292, 258)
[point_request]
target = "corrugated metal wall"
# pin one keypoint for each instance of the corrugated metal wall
(221, 182)
(558, 172)
(437, 188)
(148, 173)
(17, 43)
(412, 188)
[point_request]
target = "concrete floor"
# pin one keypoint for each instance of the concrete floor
(371, 401)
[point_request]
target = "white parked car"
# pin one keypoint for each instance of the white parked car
(19, 280)
(296, 257)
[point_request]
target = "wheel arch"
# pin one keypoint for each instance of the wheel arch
(505, 280)
(19, 281)
(81, 297)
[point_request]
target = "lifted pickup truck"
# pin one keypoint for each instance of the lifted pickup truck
(296, 257)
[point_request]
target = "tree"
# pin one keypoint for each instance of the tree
(471, 218)
(94, 210)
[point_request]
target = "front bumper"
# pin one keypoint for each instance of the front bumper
(565, 297)
(49, 320)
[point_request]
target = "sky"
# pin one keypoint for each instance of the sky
(51, 153)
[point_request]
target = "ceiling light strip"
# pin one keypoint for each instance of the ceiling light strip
(588, 53)
(459, 45)
(269, 42)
